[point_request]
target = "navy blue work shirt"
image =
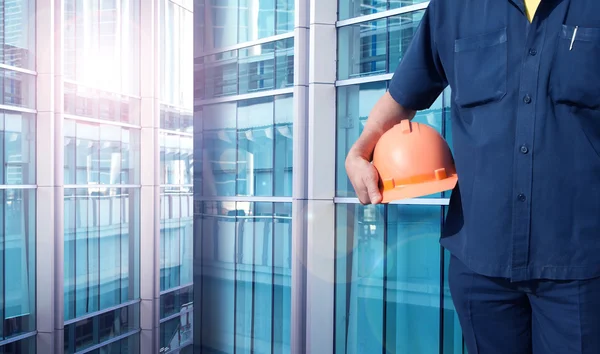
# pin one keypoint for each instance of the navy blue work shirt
(525, 129)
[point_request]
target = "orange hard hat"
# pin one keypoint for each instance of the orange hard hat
(413, 160)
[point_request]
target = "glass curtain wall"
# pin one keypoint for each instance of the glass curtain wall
(391, 291)
(101, 176)
(243, 144)
(176, 171)
(17, 177)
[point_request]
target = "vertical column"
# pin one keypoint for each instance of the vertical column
(49, 179)
(320, 232)
(149, 177)
(300, 185)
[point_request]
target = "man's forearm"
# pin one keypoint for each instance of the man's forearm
(385, 114)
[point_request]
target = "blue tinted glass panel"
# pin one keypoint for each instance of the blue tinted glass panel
(375, 47)
(354, 103)
(218, 235)
(176, 335)
(283, 135)
(176, 159)
(17, 148)
(24, 346)
(245, 294)
(223, 23)
(17, 262)
(255, 147)
(91, 103)
(220, 23)
(284, 63)
(285, 16)
(176, 237)
(17, 33)
(96, 330)
(18, 89)
(256, 70)
(176, 119)
(102, 44)
(256, 19)
(100, 154)
(177, 301)
(219, 149)
(388, 276)
(101, 249)
(218, 74)
(247, 147)
(176, 38)
(355, 8)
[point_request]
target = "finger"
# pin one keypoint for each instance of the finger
(372, 185)
(362, 193)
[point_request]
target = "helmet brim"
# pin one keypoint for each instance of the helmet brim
(419, 189)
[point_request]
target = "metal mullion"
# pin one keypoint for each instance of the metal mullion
(3, 228)
(385, 279)
(273, 280)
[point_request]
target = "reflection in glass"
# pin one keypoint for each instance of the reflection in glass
(177, 45)
(254, 147)
(283, 134)
(257, 68)
(17, 148)
(176, 119)
(17, 89)
(218, 75)
(17, 33)
(354, 103)
(256, 19)
(355, 8)
(176, 237)
(17, 262)
(284, 65)
(388, 279)
(238, 147)
(246, 274)
(375, 47)
(176, 334)
(101, 249)
(100, 154)
(176, 159)
(223, 23)
(102, 44)
(23, 346)
(261, 67)
(285, 16)
(85, 333)
(91, 103)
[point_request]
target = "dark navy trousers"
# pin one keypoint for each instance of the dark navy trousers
(498, 316)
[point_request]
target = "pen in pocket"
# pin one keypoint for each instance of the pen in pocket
(573, 38)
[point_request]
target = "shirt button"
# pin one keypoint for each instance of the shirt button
(521, 197)
(532, 52)
(524, 149)
(527, 99)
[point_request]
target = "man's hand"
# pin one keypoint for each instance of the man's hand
(364, 178)
(363, 175)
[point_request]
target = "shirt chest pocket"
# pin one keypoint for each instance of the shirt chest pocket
(575, 78)
(480, 68)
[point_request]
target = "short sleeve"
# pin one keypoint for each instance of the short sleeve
(419, 78)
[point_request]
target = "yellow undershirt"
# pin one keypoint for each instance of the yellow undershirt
(530, 8)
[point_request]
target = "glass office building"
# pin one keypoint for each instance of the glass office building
(286, 258)
(96, 223)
